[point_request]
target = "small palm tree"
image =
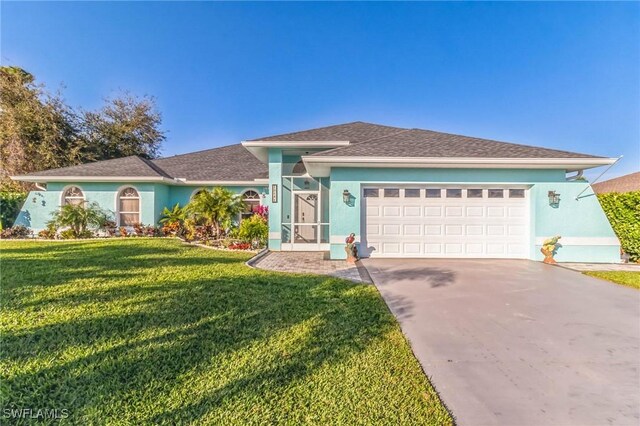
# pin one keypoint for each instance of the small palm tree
(79, 218)
(176, 215)
(215, 208)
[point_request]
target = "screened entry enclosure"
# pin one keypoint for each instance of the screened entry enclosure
(305, 213)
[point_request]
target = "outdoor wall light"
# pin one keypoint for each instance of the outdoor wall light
(346, 196)
(306, 184)
(554, 198)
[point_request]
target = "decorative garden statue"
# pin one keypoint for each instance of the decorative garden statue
(351, 249)
(549, 248)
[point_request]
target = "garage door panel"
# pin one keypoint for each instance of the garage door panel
(393, 211)
(411, 229)
(475, 211)
(412, 211)
(474, 248)
(391, 230)
(433, 248)
(372, 211)
(453, 211)
(453, 248)
(418, 226)
(433, 211)
(495, 230)
(411, 248)
(495, 211)
(391, 248)
(474, 230)
(453, 230)
(517, 212)
(433, 230)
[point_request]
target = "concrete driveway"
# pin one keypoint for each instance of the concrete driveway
(515, 342)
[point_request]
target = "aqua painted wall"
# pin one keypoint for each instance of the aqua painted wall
(588, 236)
(583, 219)
(275, 209)
(574, 219)
(40, 205)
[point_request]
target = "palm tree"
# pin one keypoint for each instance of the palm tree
(176, 215)
(215, 208)
(79, 218)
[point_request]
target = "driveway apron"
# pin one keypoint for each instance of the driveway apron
(516, 342)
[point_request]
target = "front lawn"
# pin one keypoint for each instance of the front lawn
(628, 278)
(141, 331)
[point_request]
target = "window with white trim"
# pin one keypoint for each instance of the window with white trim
(251, 201)
(128, 207)
(73, 195)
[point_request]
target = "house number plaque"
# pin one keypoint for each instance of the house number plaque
(274, 193)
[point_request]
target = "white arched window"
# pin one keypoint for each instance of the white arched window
(128, 207)
(251, 201)
(73, 195)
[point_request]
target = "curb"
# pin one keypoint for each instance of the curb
(256, 258)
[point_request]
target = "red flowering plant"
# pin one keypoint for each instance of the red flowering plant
(262, 211)
(239, 246)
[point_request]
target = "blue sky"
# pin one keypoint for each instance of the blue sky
(563, 75)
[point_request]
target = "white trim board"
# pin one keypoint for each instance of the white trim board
(320, 166)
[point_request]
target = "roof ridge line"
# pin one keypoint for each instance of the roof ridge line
(265, 138)
(390, 134)
(364, 141)
(149, 162)
(195, 152)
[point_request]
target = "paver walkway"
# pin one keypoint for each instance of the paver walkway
(308, 263)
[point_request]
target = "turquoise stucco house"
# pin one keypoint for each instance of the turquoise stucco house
(403, 192)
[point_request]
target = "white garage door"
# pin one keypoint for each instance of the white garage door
(491, 222)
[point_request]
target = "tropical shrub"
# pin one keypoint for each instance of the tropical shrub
(49, 233)
(254, 230)
(18, 231)
(142, 230)
(623, 212)
(10, 204)
(79, 219)
(172, 229)
(172, 220)
(215, 209)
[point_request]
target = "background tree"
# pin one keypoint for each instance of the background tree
(125, 125)
(39, 131)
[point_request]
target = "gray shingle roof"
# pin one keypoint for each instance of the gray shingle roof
(626, 183)
(126, 166)
(227, 163)
(236, 163)
(355, 132)
(427, 143)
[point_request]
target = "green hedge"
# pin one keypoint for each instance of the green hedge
(10, 204)
(623, 211)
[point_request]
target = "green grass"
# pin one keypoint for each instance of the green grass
(626, 278)
(142, 331)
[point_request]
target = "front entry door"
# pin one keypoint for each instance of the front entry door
(305, 218)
